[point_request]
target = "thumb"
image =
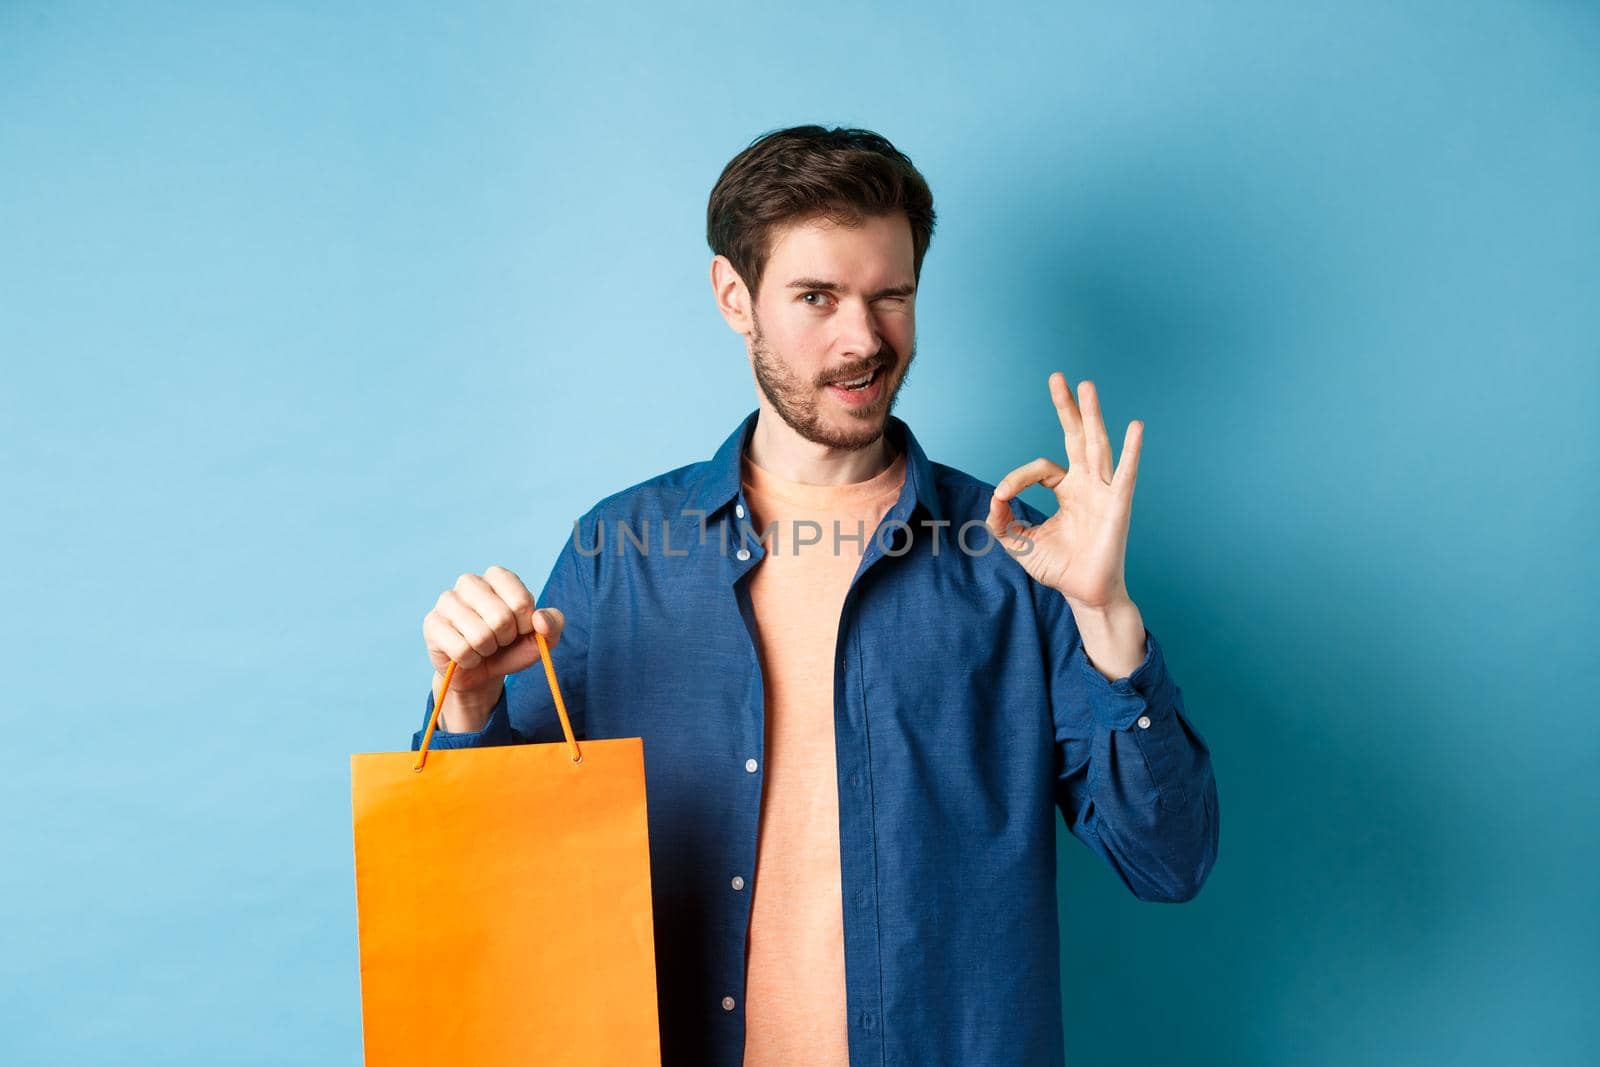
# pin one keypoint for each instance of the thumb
(549, 622)
(519, 655)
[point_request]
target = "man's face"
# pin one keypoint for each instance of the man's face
(837, 303)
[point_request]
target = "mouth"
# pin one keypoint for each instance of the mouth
(862, 382)
(860, 390)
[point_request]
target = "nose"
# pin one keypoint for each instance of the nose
(858, 331)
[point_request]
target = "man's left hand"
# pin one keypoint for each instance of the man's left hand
(1079, 551)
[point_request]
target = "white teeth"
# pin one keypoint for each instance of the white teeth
(858, 382)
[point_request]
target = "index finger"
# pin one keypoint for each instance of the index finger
(1071, 419)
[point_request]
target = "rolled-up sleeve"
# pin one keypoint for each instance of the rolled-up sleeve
(1134, 779)
(526, 710)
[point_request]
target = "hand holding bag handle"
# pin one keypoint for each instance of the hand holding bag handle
(555, 691)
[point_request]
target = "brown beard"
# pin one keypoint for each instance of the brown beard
(797, 402)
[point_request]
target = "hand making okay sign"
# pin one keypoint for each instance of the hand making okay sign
(1079, 550)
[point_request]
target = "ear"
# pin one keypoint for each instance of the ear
(733, 299)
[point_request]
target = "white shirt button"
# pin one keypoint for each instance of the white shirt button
(743, 553)
(750, 765)
(727, 1003)
(738, 882)
(738, 509)
(1144, 722)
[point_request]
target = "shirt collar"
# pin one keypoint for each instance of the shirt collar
(720, 482)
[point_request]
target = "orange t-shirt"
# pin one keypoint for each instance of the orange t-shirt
(794, 985)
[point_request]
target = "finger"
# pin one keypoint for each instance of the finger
(1005, 527)
(446, 643)
(1043, 471)
(1071, 419)
(510, 589)
(476, 593)
(1128, 465)
(1015, 537)
(1094, 431)
(549, 622)
(999, 516)
(517, 656)
(468, 623)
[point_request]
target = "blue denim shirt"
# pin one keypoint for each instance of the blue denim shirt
(966, 714)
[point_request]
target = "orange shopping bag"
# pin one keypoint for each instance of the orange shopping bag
(503, 902)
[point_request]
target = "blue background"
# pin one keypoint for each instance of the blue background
(306, 311)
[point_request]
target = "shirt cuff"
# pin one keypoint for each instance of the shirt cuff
(497, 731)
(1134, 701)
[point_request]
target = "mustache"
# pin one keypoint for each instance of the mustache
(886, 361)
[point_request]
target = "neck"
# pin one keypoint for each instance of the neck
(777, 448)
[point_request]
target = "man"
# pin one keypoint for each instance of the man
(859, 721)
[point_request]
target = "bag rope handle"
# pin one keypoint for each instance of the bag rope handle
(555, 691)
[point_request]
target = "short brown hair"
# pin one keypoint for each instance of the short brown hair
(843, 174)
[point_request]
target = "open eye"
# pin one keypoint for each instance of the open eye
(813, 292)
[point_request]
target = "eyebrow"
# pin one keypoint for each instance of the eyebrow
(835, 287)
